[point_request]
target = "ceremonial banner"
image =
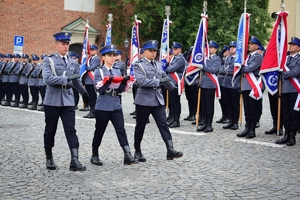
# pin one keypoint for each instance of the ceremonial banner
(134, 48)
(164, 49)
(108, 35)
(85, 55)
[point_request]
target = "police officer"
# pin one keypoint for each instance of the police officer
(60, 73)
(75, 56)
(2, 62)
(175, 71)
(252, 107)
(41, 84)
(119, 63)
(5, 78)
(289, 95)
(149, 100)
(14, 80)
(89, 81)
(25, 68)
(230, 92)
(33, 81)
(208, 87)
(108, 105)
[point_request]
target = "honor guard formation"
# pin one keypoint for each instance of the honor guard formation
(56, 79)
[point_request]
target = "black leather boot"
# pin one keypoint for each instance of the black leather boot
(75, 165)
(84, 109)
(229, 125)
(208, 127)
(49, 160)
(34, 106)
(25, 105)
(138, 153)
(16, 104)
(7, 103)
(88, 115)
(171, 120)
(285, 138)
(92, 111)
(245, 131)
(128, 159)
(171, 153)
(272, 130)
(292, 139)
(95, 160)
(234, 126)
(201, 128)
(251, 133)
(176, 122)
(221, 120)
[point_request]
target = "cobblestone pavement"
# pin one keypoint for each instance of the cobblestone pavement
(216, 165)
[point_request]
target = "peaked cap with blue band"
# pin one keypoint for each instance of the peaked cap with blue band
(213, 44)
(255, 40)
(108, 49)
(62, 36)
(177, 45)
(150, 44)
(295, 40)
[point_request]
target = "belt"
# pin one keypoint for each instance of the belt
(63, 87)
(111, 93)
(153, 88)
(257, 76)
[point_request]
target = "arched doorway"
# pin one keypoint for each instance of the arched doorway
(77, 48)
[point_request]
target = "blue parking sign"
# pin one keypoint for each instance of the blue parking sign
(19, 41)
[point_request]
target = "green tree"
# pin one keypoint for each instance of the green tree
(186, 14)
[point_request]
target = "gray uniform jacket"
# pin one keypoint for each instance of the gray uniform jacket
(32, 77)
(229, 67)
(212, 66)
(177, 64)
(1, 66)
(253, 65)
(56, 95)
(94, 63)
(40, 76)
(222, 71)
(5, 77)
(14, 78)
(121, 66)
(108, 99)
(22, 73)
(293, 63)
(148, 78)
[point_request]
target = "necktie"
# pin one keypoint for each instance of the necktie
(64, 60)
(110, 72)
(152, 63)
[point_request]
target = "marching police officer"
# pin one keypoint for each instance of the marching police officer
(108, 106)
(25, 68)
(33, 81)
(290, 94)
(231, 93)
(5, 78)
(149, 100)
(175, 71)
(89, 80)
(252, 107)
(208, 87)
(60, 73)
(14, 80)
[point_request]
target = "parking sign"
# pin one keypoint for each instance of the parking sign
(19, 41)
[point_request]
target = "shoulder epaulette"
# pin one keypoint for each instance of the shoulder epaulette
(51, 55)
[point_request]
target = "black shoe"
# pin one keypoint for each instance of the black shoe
(201, 128)
(234, 126)
(96, 161)
(31, 103)
(283, 140)
(244, 133)
(208, 129)
(228, 126)
(128, 159)
(271, 131)
(75, 165)
(133, 113)
(257, 125)
(50, 164)
(227, 120)
(6, 104)
(91, 116)
(192, 118)
(87, 116)
(175, 124)
(24, 106)
(84, 109)
(171, 154)
(251, 134)
(139, 156)
(291, 142)
(187, 118)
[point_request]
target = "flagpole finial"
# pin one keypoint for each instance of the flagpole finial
(87, 20)
(135, 17)
(282, 5)
(204, 7)
(245, 6)
(110, 18)
(168, 10)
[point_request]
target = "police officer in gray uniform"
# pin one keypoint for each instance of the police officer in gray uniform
(177, 65)
(89, 81)
(2, 62)
(230, 92)
(41, 84)
(25, 68)
(33, 81)
(60, 74)
(208, 87)
(119, 63)
(108, 105)
(252, 107)
(5, 78)
(149, 99)
(289, 94)
(14, 80)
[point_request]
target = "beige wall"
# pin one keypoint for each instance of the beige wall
(293, 7)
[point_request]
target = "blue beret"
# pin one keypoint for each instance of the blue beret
(108, 49)
(93, 47)
(9, 56)
(141, 50)
(34, 57)
(170, 51)
(62, 36)
(255, 40)
(16, 55)
(150, 44)
(232, 44)
(24, 55)
(119, 52)
(177, 45)
(213, 44)
(43, 56)
(261, 47)
(295, 40)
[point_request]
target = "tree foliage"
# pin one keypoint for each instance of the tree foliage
(185, 16)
